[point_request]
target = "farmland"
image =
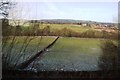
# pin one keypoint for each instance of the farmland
(78, 48)
(59, 40)
(77, 28)
(68, 30)
(72, 54)
(74, 27)
(69, 54)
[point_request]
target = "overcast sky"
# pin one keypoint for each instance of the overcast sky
(95, 11)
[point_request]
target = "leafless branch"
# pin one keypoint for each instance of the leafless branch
(39, 54)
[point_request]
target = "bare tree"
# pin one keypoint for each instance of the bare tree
(5, 6)
(11, 42)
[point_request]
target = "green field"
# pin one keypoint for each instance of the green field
(53, 27)
(76, 28)
(72, 54)
(80, 54)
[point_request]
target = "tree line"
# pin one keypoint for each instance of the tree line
(64, 32)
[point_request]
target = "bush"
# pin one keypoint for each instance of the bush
(109, 57)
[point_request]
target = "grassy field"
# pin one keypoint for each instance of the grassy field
(72, 54)
(80, 54)
(76, 28)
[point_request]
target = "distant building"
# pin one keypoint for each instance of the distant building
(84, 24)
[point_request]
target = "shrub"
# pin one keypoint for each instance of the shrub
(109, 57)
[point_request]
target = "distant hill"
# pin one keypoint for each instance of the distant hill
(70, 21)
(65, 21)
